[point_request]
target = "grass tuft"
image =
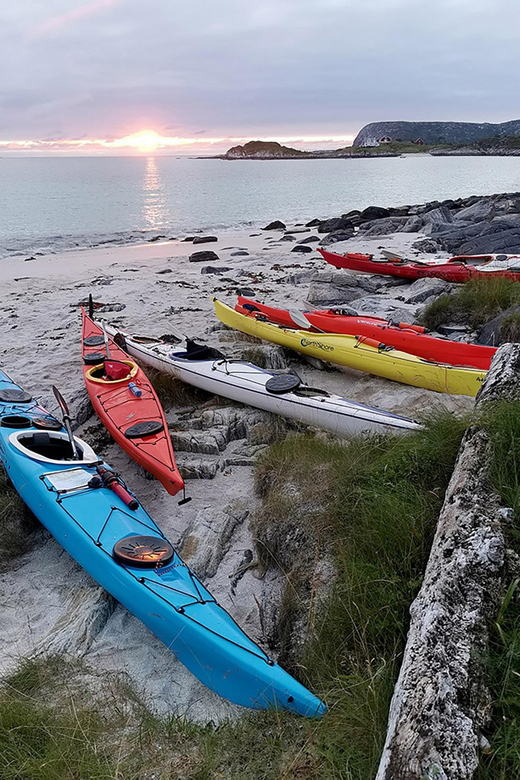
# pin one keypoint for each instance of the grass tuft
(17, 523)
(475, 303)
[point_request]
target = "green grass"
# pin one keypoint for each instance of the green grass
(502, 421)
(474, 303)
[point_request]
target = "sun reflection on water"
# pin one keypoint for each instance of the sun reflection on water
(155, 210)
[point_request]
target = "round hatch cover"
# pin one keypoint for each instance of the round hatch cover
(16, 421)
(94, 341)
(148, 428)
(47, 423)
(93, 358)
(282, 383)
(143, 551)
(15, 396)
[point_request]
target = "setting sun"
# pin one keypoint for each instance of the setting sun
(145, 141)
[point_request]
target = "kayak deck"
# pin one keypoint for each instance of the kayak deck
(136, 422)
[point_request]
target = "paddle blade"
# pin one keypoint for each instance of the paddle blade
(299, 318)
(61, 401)
(393, 255)
(90, 306)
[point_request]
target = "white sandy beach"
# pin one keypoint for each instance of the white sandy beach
(40, 346)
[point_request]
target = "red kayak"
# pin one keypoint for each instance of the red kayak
(461, 268)
(127, 405)
(407, 338)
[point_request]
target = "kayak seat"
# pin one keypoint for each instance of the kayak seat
(41, 443)
(196, 351)
(112, 371)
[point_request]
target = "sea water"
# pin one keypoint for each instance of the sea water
(51, 204)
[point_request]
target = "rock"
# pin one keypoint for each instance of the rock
(247, 292)
(337, 223)
(382, 227)
(330, 288)
(422, 289)
(427, 245)
(287, 237)
(301, 248)
(429, 222)
(204, 239)
(165, 271)
(309, 240)
(188, 238)
(240, 253)
(441, 703)
(313, 223)
(206, 542)
(495, 331)
(374, 212)
(334, 238)
(156, 238)
(205, 256)
(479, 211)
(213, 269)
(276, 225)
(385, 306)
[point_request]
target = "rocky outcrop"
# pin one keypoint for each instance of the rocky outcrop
(441, 702)
(434, 132)
(262, 150)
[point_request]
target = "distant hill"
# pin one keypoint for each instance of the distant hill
(263, 150)
(453, 133)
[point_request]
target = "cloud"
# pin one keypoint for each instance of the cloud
(290, 67)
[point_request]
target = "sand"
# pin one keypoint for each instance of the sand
(40, 346)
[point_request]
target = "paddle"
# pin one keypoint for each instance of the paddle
(299, 318)
(394, 256)
(90, 306)
(106, 339)
(66, 421)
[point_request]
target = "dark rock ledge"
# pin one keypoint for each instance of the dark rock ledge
(441, 701)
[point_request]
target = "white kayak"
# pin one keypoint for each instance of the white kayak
(246, 383)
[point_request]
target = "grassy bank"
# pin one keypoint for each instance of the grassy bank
(369, 507)
(503, 760)
(475, 303)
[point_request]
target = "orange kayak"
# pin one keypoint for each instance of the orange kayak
(127, 405)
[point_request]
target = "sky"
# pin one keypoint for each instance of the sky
(198, 76)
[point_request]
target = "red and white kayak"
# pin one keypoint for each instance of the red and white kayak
(407, 338)
(460, 268)
(127, 405)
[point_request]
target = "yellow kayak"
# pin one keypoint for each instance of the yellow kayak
(357, 353)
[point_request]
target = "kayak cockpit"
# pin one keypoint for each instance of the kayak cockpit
(112, 372)
(51, 447)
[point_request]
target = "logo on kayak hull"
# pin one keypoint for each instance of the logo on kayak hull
(308, 343)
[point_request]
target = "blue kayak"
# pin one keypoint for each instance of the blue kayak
(89, 512)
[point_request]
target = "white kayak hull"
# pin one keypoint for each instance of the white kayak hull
(246, 383)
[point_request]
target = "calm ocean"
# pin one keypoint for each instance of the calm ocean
(49, 204)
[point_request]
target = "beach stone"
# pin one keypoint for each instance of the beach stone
(287, 237)
(213, 269)
(165, 271)
(313, 223)
(382, 227)
(310, 240)
(491, 333)
(374, 212)
(188, 238)
(334, 238)
(276, 225)
(156, 238)
(301, 248)
(426, 245)
(247, 292)
(205, 256)
(337, 223)
(204, 239)
(422, 289)
(240, 253)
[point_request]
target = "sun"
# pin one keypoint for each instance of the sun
(144, 141)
